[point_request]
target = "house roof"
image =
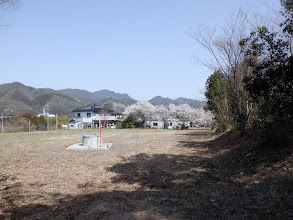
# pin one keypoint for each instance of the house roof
(152, 119)
(96, 109)
(116, 113)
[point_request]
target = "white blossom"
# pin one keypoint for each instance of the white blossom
(184, 113)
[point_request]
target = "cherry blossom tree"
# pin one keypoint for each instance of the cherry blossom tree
(141, 110)
(162, 113)
(185, 113)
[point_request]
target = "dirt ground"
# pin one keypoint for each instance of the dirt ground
(146, 174)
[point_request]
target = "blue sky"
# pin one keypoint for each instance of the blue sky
(136, 47)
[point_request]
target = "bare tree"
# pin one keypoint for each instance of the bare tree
(265, 13)
(9, 4)
(222, 44)
(225, 54)
(6, 5)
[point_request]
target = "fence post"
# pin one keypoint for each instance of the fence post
(48, 123)
(29, 125)
(56, 122)
(2, 124)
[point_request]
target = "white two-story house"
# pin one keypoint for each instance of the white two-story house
(90, 116)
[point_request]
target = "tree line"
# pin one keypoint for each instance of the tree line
(252, 84)
(138, 113)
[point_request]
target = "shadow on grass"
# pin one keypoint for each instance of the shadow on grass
(240, 154)
(180, 187)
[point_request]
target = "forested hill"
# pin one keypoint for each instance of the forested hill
(99, 97)
(17, 98)
(158, 100)
(102, 94)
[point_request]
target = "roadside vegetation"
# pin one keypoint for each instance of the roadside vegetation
(251, 88)
(30, 122)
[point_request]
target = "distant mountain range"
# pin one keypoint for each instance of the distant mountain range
(16, 98)
(98, 97)
(158, 100)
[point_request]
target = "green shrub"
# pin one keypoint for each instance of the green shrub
(130, 122)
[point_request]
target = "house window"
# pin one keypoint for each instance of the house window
(78, 114)
(72, 126)
(88, 114)
(155, 124)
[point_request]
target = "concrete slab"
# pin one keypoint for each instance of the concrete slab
(78, 146)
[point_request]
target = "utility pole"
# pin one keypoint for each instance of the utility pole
(48, 123)
(2, 125)
(100, 125)
(56, 122)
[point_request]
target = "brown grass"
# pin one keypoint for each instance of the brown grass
(147, 174)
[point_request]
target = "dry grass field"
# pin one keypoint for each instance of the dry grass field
(146, 174)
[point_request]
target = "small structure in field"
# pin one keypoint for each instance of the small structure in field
(91, 142)
(154, 123)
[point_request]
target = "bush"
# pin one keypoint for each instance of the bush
(130, 122)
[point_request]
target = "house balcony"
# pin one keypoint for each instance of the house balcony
(81, 119)
(96, 118)
(104, 118)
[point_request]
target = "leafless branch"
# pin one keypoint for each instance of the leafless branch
(9, 4)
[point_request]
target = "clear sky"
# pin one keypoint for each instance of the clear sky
(138, 47)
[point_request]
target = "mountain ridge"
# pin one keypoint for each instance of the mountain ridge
(159, 100)
(17, 98)
(101, 94)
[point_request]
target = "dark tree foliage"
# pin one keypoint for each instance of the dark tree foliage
(130, 122)
(271, 82)
(219, 99)
(287, 12)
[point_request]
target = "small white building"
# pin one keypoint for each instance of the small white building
(171, 123)
(75, 125)
(154, 123)
(89, 117)
(176, 123)
(47, 115)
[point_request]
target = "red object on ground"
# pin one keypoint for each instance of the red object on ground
(76, 141)
(66, 146)
(107, 146)
(111, 142)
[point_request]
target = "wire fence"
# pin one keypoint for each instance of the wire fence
(11, 124)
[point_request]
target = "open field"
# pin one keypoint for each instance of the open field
(147, 174)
